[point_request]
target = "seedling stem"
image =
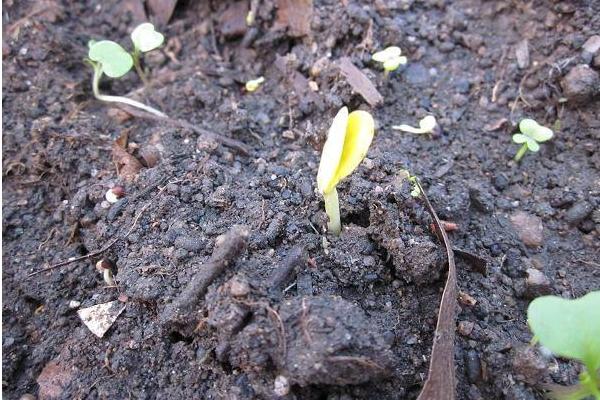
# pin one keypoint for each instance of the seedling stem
(332, 208)
(138, 67)
(119, 99)
(522, 150)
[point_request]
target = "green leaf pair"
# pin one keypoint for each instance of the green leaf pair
(530, 136)
(570, 329)
(114, 59)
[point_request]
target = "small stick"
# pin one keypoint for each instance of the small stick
(228, 248)
(295, 259)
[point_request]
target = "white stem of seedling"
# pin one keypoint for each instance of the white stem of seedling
(119, 99)
(332, 208)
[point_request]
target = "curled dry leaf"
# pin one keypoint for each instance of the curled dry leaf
(127, 165)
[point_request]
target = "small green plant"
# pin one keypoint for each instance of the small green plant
(254, 84)
(426, 125)
(415, 191)
(109, 58)
(347, 143)
(530, 136)
(145, 38)
(571, 329)
(390, 58)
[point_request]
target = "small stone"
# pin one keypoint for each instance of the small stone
(282, 386)
(473, 366)
(239, 288)
(580, 84)
(73, 304)
(54, 379)
(288, 134)
(466, 299)
(529, 366)
(537, 284)
(529, 228)
(465, 327)
(522, 53)
(500, 181)
(591, 47)
(27, 396)
(578, 212)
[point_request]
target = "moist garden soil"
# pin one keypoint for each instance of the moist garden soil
(230, 286)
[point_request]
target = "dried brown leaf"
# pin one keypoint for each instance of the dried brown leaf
(359, 82)
(441, 381)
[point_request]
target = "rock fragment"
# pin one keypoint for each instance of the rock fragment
(581, 84)
(537, 284)
(101, 317)
(529, 228)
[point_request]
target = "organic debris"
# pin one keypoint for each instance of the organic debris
(101, 317)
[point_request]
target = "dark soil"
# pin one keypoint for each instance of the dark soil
(285, 308)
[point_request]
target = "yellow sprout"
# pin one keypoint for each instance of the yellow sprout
(250, 18)
(348, 141)
(254, 84)
(390, 58)
(426, 125)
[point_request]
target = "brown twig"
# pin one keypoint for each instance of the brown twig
(105, 247)
(228, 248)
(441, 381)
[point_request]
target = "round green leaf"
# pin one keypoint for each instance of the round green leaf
(115, 61)
(519, 138)
(541, 134)
(145, 38)
(387, 54)
(532, 145)
(527, 126)
(568, 328)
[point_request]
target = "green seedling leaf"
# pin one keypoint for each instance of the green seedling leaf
(146, 38)
(537, 132)
(115, 61)
(393, 63)
(390, 58)
(254, 84)
(530, 136)
(568, 328)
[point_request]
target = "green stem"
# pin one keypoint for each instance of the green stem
(119, 99)
(521, 152)
(138, 67)
(332, 208)
(590, 380)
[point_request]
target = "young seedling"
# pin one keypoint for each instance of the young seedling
(145, 38)
(108, 57)
(530, 136)
(571, 329)
(390, 58)
(415, 191)
(347, 143)
(426, 125)
(254, 84)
